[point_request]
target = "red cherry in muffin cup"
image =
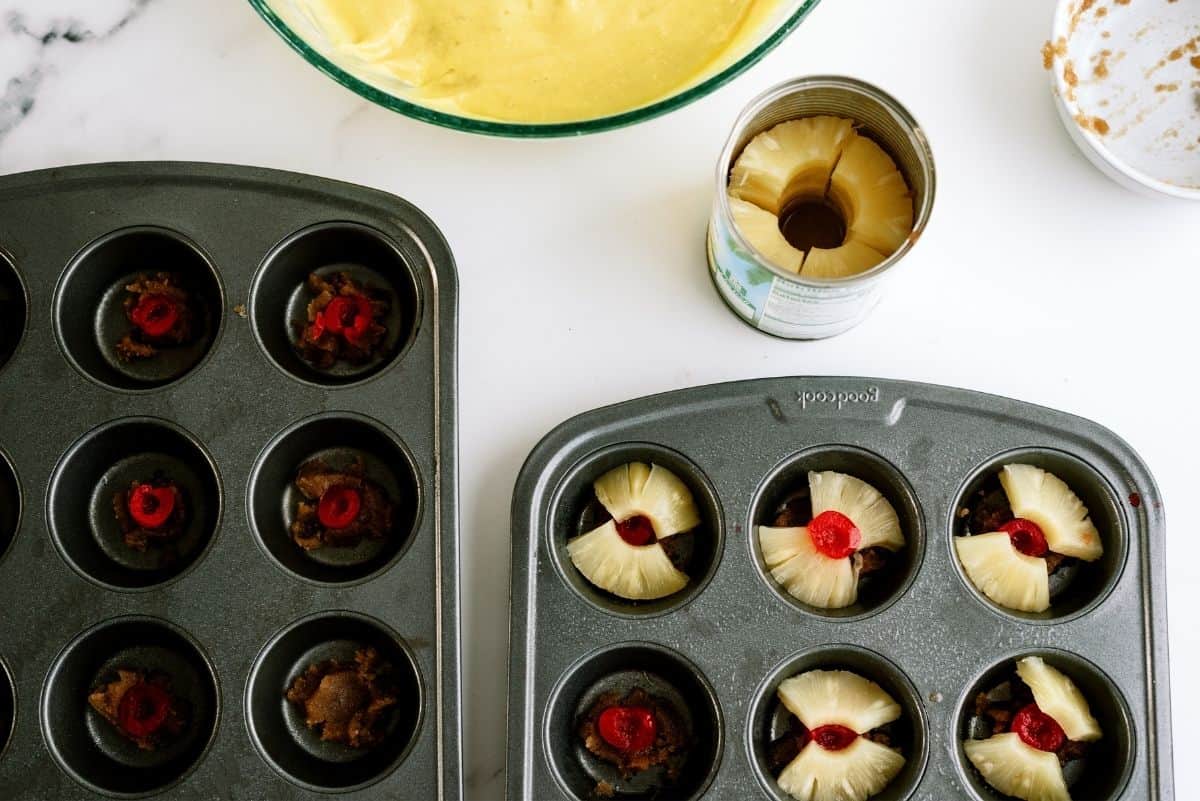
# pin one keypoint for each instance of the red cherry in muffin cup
(637, 531)
(348, 315)
(155, 315)
(338, 507)
(1026, 536)
(834, 534)
(833, 737)
(143, 709)
(1038, 730)
(629, 729)
(151, 507)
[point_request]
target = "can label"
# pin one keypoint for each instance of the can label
(778, 306)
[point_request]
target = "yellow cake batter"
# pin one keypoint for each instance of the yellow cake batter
(538, 61)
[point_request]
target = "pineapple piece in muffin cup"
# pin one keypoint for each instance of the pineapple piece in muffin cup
(824, 185)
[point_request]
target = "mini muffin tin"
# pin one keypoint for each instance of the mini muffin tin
(241, 610)
(923, 633)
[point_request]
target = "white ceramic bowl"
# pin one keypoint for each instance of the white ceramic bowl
(1126, 79)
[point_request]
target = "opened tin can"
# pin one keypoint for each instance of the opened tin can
(783, 303)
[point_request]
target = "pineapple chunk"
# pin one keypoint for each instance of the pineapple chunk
(829, 697)
(851, 258)
(1004, 574)
(792, 160)
(655, 492)
(1046, 499)
(807, 574)
(636, 573)
(1057, 696)
(872, 196)
(852, 774)
(780, 545)
(761, 229)
(860, 502)
(1016, 769)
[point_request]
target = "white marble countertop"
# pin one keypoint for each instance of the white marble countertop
(583, 274)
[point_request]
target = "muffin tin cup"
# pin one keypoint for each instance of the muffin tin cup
(8, 707)
(100, 467)
(928, 639)
(279, 297)
(14, 309)
(11, 503)
(1086, 584)
(78, 430)
(668, 676)
(89, 312)
(1106, 770)
(277, 728)
(573, 516)
(875, 594)
(338, 439)
(768, 716)
(89, 748)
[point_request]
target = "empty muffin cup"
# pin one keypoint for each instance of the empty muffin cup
(281, 294)
(8, 707)
(787, 484)
(95, 307)
(1075, 588)
(769, 296)
(89, 747)
(91, 493)
(1105, 769)
(14, 309)
(340, 441)
(280, 728)
(577, 511)
(664, 675)
(769, 720)
(10, 503)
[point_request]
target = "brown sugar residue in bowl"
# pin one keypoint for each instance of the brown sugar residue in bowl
(1098, 125)
(1166, 87)
(1101, 68)
(1084, 8)
(1053, 50)
(1069, 74)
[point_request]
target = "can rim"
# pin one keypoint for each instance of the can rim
(893, 106)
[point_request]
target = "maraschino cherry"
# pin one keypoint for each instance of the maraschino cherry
(150, 506)
(834, 534)
(628, 729)
(339, 507)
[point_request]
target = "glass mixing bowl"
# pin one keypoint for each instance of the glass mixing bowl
(289, 21)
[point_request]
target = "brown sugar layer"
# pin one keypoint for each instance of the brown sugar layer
(375, 515)
(160, 315)
(141, 707)
(348, 702)
(140, 537)
(669, 749)
(345, 321)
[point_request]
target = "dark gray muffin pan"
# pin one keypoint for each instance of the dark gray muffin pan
(238, 610)
(723, 645)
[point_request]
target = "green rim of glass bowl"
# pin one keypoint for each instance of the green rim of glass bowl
(523, 130)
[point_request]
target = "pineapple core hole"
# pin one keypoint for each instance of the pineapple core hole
(808, 223)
